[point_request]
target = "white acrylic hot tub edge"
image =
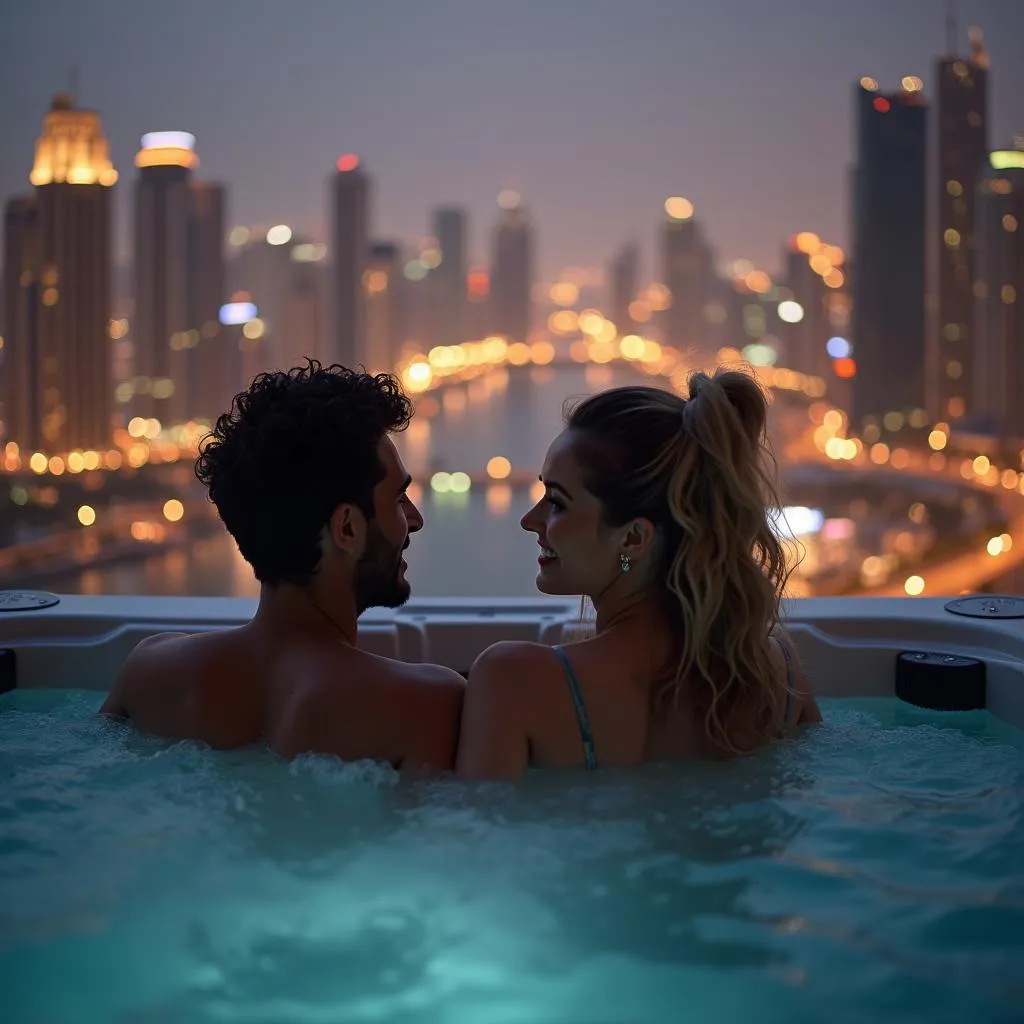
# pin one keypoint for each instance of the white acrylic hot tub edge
(848, 646)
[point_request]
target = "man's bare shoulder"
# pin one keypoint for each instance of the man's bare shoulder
(378, 676)
(360, 705)
(170, 656)
(427, 675)
(173, 651)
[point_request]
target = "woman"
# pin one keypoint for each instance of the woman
(658, 509)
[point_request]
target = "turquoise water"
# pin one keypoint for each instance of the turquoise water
(872, 870)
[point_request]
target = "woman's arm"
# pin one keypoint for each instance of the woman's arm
(805, 707)
(807, 710)
(493, 741)
(810, 713)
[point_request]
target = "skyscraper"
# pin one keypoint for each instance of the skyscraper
(624, 273)
(999, 296)
(448, 280)
(305, 325)
(261, 270)
(478, 295)
(888, 249)
(385, 307)
(804, 340)
(182, 368)
(57, 252)
(21, 396)
(512, 272)
(962, 148)
(688, 272)
(348, 252)
(161, 322)
(215, 365)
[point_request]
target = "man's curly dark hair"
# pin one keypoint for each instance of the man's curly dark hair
(294, 447)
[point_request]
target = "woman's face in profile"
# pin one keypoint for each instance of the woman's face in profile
(577, 553)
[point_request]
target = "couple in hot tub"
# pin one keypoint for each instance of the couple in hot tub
(655, 507)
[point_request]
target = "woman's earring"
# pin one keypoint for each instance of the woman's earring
(626, 564)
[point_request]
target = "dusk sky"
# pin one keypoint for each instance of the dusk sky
(595, 110)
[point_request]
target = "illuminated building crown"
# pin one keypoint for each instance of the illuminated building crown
(72, 148)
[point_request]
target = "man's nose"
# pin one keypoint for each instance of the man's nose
(414, 518)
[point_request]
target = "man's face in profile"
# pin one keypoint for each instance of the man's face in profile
(380, 572)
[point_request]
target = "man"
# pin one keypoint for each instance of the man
(307, 480)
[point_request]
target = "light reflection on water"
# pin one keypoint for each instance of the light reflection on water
(511, 413)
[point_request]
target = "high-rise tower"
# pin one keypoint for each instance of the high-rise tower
(624, 274)
(181, 371)
(215, 367)
(161, 323)
(962, 149)
(448, 280)
(348, 253)
(384, 292)
(688, 271)
(889, 249)
(57, 289)
(999, 296)
(512, 273)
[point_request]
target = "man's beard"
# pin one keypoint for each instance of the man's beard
(376, 581)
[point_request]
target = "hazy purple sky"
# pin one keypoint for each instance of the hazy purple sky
(595, 110)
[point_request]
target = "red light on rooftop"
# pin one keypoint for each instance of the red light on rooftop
(478, 284)
(881, 104)
(241, 297)
(348, 162)
(845, 368)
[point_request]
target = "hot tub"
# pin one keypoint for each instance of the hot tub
(870, 869)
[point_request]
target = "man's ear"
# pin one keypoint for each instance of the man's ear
(347, 529)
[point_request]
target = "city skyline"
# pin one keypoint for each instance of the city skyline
(535, 131)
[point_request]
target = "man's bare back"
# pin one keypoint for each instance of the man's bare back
(307, 480)
(297, 690)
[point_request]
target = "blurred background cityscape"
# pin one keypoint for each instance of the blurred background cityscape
(509, 206)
